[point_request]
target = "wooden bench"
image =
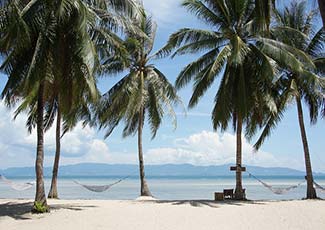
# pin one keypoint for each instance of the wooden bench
(228, 194)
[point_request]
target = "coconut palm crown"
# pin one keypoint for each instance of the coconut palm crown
(143, 94)
(46, 49)
(294, 26)
(234, 50)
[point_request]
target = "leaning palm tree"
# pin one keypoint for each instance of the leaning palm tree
(143, 91)
(67, 112)
(34, 50)
(294, 26)
(68, 103)
(67, 119)
(240, 56)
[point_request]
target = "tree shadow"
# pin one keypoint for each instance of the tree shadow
(18, 211)
(22, 210)
(210, 203)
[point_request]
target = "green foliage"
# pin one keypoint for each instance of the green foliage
(64, 41)
(144, 92)
(235, 51)
(58, 44)
(39, 207)
(245, 53)
(308, 83)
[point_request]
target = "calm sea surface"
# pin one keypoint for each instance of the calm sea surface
(165, 188)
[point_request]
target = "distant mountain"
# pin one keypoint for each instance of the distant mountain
(166, 170)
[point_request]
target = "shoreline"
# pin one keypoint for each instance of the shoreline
(164, 214)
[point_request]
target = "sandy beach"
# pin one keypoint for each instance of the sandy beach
(159, 215)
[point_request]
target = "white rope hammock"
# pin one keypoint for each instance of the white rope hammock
(17, 186)
(99, 188)
(277, 190)
(322, 189)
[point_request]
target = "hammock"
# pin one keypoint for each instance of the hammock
(99, 188)
(17, 186)
(277, 191)
(322, 189)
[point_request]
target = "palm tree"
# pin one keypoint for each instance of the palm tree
(294, 26)
(34, 50)
(79, 109)
(240, 56)
(143, 91)
(24, 65)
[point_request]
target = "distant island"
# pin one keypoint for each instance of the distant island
(164, 170)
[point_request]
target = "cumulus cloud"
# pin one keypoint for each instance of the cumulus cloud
(17, 147)
(209, 148)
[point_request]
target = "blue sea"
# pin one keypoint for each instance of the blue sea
(165, 188)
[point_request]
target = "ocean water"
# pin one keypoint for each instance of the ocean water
(165, 188)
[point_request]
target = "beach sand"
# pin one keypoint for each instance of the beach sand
(159, 215)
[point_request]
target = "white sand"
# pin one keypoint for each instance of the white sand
(158, 215)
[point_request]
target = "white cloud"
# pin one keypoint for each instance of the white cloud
(17, 147)
(165, 12)
(208, 148)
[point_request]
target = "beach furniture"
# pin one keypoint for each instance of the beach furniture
(218, 196)
(228, 194)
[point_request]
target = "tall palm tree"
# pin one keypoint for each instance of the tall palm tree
(237, 53)
(24, 65)
(34, 51)
(113, 15)
(294, 26)
(143, 91)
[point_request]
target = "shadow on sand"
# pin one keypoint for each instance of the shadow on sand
(22, 210)
(210, 203)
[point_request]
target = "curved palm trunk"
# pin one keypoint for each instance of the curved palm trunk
(321, 4)
(40, 198)
(144, 186)
(311, 192)
(239, 195)
(54, 190)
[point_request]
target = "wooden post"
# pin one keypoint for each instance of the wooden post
(234, 168)
(241, 169)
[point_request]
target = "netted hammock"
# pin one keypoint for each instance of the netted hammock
(100, 188)
(276, 190)
(322, 189)
(17, 186)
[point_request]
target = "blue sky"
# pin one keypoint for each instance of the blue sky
(194, 140)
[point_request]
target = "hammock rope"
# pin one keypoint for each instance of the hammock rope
(17, 186)
(276, 190)
(318, 186)
(100, 188)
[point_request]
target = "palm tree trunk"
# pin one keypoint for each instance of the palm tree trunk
(321, 4)
(54, 190)
(40, 204)
(311, 192)
(239, 195)
(144, 186)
